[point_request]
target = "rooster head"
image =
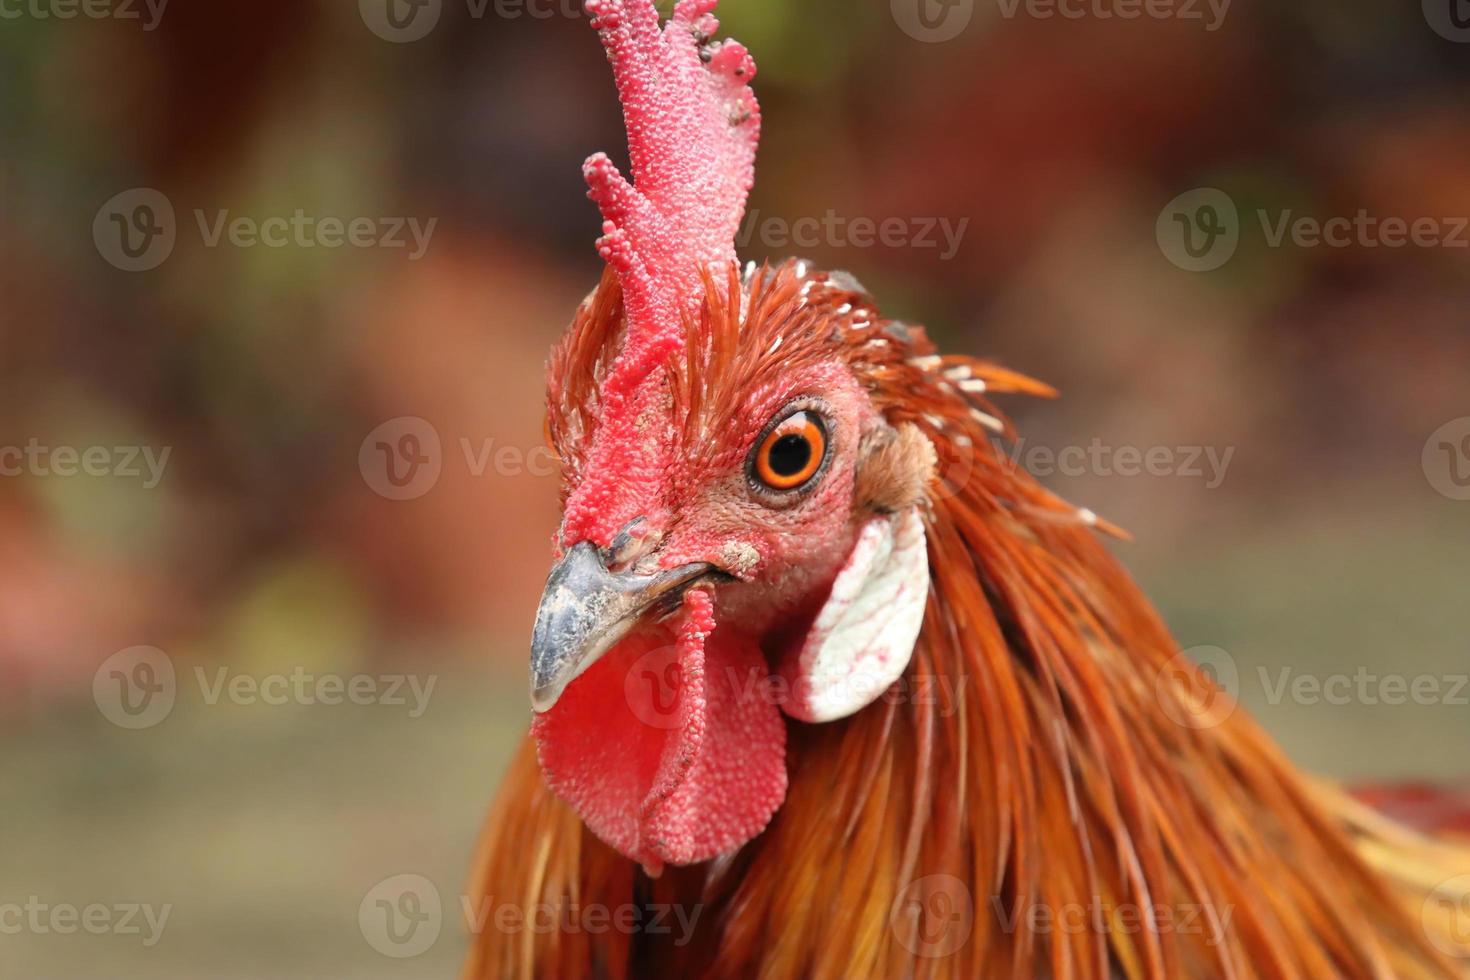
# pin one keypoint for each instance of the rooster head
(743, 534)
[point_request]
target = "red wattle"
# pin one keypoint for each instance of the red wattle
(671, 747)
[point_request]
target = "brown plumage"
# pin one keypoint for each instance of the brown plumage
(1047, 752)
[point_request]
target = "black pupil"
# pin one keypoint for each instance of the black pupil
(790, 455)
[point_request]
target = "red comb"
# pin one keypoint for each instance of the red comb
(693, 124)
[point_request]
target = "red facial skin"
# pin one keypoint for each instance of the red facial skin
(672, 746)
(782, 548)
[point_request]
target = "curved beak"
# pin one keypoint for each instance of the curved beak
(585, 609)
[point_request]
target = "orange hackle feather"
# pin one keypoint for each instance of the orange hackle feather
(1049, 778)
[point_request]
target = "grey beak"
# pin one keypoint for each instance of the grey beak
(585, 609)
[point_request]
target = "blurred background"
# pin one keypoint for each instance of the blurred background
(278, 282)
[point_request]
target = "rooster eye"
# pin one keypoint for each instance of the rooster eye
(791, 453)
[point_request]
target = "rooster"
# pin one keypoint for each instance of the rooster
(824, 677)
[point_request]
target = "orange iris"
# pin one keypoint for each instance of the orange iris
(792, 452)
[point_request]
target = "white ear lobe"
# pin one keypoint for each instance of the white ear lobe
(862, 639)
